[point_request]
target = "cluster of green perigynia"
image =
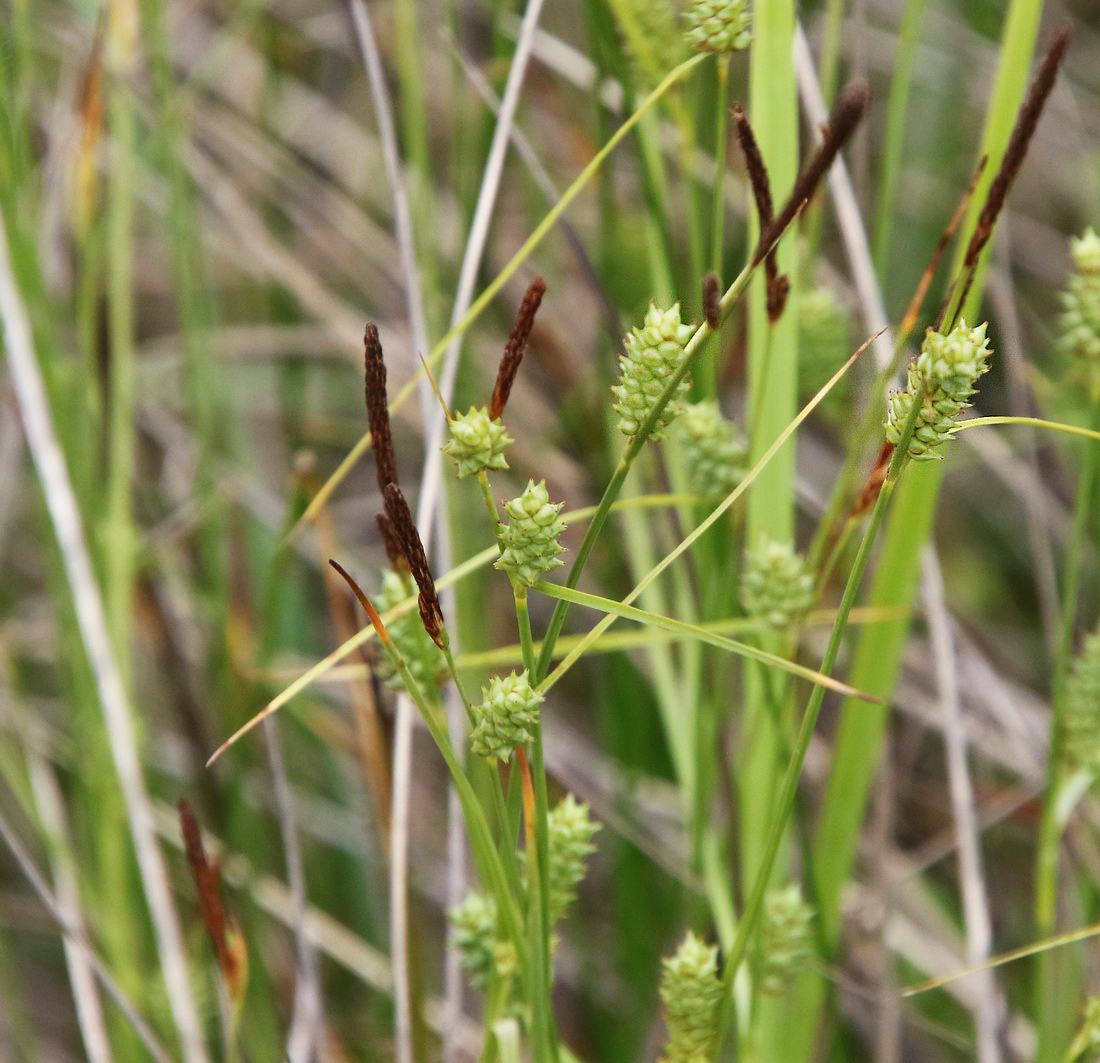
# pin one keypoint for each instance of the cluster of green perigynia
(691, 992)
(718, 25)
(775, 585)
(474, 923)
(654, 353)
(1081, 712)
(1080, 321)
(714, 454)
(569, 841)
(477, 442)
(506, 718)
(529, 541)
(940, 381)
(784, 941)
(423, 657)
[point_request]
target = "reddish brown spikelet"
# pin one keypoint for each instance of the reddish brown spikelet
(777, 287)
(875, 479)
(392, 546)
(849, 109)
(378, 413)
(712, 300)
(516, 346)
(1026, 121)
(224, 937)
(404, 529)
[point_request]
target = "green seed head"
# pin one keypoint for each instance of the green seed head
(424, 658)
(784, 941)
(691, 991)
(718, 25)
(653, 353)
(775, 586)
(529, 541)
(824, 326)
(1081, 716)
(506, 717)
(476, 442)
(569, 834)
(714, 455)
(474, 923)
(941, 379)
(1080, 321)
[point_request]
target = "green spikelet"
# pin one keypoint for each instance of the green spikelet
(941, 378)
(824, 327)
(784, 941)
(1081, 715)
(649, 28)
(718, 25)
(1080, 321)
(653, 353)
(775, 586)
(529, 541)
(476, 442)
(424, 658)
(506, 716)
(713, 453)
(691, 992)
(569, 839)
(474, 926)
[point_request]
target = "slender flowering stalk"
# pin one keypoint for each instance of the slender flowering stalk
(653, 354)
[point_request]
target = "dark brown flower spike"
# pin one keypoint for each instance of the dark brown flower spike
(1031, 111)
(516, 346)
(392, 546)
(378, 413)
(404, 530)
(777, 287)
(232, 960)
(850, 107)
(712, 300)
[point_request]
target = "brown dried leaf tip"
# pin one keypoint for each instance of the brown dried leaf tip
(378, 412)
(516, 346)
(228, 942)
(712, 300)
(404, 530)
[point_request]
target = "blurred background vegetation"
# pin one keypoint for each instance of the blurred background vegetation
(199, 223)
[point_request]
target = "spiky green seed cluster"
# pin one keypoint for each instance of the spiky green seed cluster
(691, 992)
(784, 941)
(569, 840)
(506, 717)
(424, 658)
(775, 586)
(474, 923)
(477, 442)
(941, 379)
(824, 327)
(1081, 715)
(529, 541)
(1080, 322)
(714, 454)
(653, 353)
(718, 25)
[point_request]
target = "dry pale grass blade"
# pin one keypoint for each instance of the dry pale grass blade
(91, 620)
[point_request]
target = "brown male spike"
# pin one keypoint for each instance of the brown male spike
(378, 413)
(404, 530)
(712, 300)
(516, 346)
